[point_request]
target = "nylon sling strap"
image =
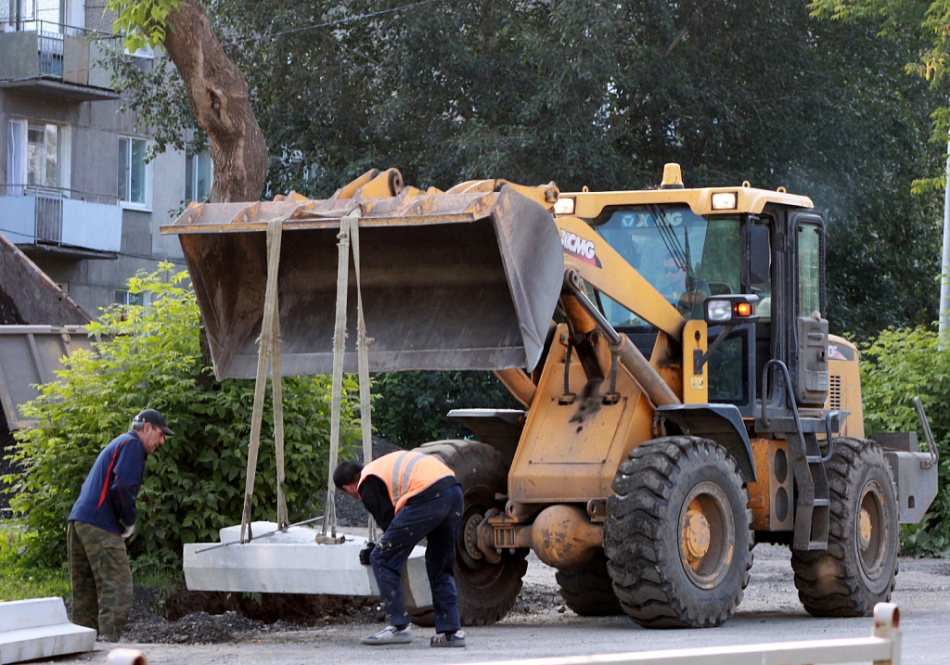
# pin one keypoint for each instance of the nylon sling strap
(349, 239)
(268, 354)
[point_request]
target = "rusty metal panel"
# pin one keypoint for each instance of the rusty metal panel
(30, 355)
(29, 296)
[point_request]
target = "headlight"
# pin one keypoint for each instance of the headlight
(564, 206)
(724, 201)
(731, 309)
(719, 311)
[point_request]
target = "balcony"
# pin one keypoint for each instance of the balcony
(63, 222)
(56, 61)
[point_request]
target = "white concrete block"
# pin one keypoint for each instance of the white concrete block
(292, 562)
(33, 612)
(38, 628)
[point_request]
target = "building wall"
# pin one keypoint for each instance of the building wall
(92, 278)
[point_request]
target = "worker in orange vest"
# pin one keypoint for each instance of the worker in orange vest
(411, 496)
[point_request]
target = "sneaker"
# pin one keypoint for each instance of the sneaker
(390, 635)
(454, 639)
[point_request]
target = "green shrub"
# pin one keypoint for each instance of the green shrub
(897, 366)
(410, 407)
(194, 484)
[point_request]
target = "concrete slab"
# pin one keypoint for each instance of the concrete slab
(292, 562)
(38, 628)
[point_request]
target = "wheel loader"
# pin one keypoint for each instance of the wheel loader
(682, 398)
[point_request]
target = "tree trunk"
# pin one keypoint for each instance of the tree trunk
(219, 98)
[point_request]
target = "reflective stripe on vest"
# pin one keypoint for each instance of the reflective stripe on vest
(406, 473)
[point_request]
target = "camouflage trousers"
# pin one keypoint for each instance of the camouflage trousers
(101, 579)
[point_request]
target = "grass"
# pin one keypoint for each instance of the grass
(18, 583)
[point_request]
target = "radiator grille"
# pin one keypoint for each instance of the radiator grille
(834, 393)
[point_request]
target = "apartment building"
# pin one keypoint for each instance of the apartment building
(77, 194)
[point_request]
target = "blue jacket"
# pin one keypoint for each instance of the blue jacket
(108, 495)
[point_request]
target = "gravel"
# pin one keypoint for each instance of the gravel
(192, 617)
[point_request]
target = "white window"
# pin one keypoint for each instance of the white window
(134, 173)
(24, 14)
(123, 297)
(198, 176)
(37, 158)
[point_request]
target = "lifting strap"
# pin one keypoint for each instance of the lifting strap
(349, 238)
(268, 353)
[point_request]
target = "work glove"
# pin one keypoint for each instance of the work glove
(128, 531)
(366, 551)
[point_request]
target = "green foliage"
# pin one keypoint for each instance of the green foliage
(897, 366)
(603, 94)
(142, 22)
(410, 407)
(194, 484)
(19, 582)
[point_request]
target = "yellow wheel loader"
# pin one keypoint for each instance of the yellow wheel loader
(682, 397)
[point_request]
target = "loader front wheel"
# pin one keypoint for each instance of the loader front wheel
(678, 534)
(587, 589)
(858, 568)
(486, 591)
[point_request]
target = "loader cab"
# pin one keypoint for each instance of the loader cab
(792, 327)
(768, 244)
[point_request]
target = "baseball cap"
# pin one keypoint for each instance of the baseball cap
(154, 417)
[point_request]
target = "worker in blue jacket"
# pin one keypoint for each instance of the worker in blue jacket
(100, 521)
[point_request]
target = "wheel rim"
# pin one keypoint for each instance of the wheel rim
(706, 535)
(872, 530)
(467, 539)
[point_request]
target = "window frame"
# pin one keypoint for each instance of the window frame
(124, 172)
(193, 173)
(18, 158)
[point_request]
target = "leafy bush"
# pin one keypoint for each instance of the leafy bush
(194, 484)
(897, 366)
(410, 408)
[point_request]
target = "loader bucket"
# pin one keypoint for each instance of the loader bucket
(457, 280)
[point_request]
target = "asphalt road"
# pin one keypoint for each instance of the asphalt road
(769, 613)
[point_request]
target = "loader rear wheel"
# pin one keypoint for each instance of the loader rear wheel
(587, 588)
(859, 566)
(677, 536)
(486, 591)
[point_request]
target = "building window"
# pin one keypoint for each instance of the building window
(25, 14)
(37, 158)
(198, 176)
(123, 297)
(134, 172)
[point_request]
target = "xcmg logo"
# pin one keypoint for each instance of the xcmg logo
(580, 247)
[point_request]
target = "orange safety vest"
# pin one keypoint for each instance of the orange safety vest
(406, 473)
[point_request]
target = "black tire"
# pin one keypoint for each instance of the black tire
(587, 588)
(486, 591)
(859, 567)
(678, 534)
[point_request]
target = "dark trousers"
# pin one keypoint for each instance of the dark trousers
(101, 579)
(435, 516)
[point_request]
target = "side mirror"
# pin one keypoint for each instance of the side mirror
(756, 254)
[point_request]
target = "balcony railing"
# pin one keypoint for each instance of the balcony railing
(39, 53)
(60, 217)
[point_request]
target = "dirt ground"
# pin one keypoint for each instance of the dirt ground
(213, 618)
(328, 629)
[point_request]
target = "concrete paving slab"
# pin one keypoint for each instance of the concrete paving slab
(38, 628)
(292, 562)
